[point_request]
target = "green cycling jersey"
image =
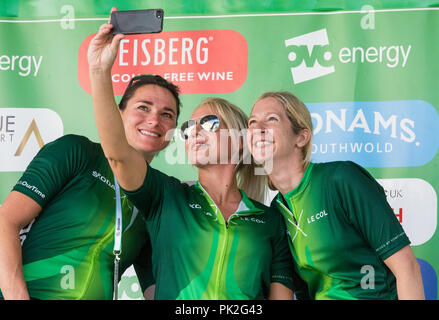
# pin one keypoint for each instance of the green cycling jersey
(198, 255)
(341, 229)
(67, 250)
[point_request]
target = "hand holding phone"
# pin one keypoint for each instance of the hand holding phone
(137, 21)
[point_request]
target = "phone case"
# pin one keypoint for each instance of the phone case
(137, 21)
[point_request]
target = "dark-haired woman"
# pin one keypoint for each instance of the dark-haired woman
(57, 226)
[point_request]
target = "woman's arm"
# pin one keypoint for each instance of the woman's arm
(369, 212)
(17, 211)
(127, 164)
(280, 292)
(406, 270)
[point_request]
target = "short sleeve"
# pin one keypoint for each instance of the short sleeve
(282, 261)
(367, 209)
(143, 266)
(53, 167)
(148, 197)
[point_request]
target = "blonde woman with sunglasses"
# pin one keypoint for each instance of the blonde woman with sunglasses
(209, 240)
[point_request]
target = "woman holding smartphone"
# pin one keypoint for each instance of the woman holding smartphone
(209, 240)
(57, 226)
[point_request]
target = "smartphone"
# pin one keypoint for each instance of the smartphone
(137, 21)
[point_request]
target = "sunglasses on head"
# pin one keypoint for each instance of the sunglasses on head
(142, 76)
(208, 123)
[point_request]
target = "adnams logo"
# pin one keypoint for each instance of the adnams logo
(312, 56)
(375, 133)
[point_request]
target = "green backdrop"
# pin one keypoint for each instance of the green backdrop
(367, 70)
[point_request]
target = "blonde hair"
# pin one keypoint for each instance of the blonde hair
(236, 122)
(300, 119)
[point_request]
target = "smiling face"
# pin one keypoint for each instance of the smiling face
(270, 135)
(149, 114)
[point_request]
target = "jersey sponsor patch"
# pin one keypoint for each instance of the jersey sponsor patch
(103, 179)
(32, 188)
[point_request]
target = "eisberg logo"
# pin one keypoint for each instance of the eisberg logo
(207, 61)
(311, 55)
(23, 132)
(414, 202)
(375, 133)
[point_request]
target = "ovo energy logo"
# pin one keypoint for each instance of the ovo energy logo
(312, 56)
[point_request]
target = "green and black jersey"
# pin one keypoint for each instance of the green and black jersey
(68, 249)
(198, 255)
(341, 229)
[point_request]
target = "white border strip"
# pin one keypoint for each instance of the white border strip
(54, 20)
(235, 15)
(303, 13)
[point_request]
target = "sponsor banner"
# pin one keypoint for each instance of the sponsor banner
(429, 279)
(309, 57)
(23, 132)
(368, 76)
(414, 202)
(312, 56)
(375, 133)
(208, 61)
(129, 287)
(24, 66)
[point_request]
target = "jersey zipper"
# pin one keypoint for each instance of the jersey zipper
(290, 212)
(223, 251)
(225, 243)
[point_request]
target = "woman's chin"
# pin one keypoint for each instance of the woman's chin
(200, 160)
(261, 157)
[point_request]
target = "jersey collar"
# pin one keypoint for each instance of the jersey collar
(246, 206)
